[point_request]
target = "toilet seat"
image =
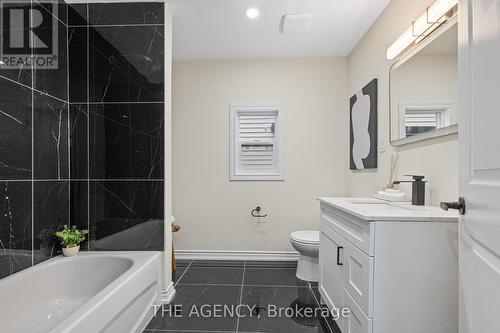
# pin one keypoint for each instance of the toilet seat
(308, 237)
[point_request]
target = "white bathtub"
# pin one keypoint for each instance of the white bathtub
(93, 292)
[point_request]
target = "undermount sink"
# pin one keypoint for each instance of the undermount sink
(364, 201)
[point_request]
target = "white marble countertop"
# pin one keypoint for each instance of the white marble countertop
(370, 209)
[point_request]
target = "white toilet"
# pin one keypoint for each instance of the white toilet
(306, 242)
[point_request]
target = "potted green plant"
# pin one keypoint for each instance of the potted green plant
(71, 238)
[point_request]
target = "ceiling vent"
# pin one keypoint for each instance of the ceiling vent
(294, 24)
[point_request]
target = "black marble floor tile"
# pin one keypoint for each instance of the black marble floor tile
(271, 264)
(299, 316)
(213, 276)
(15, 226)
(126, 141)
(15, 131)
(259, 301)
(181, 263)
(186, 331)
(328, 323)
(315, 290)
(271, 277)
(126, 64)
(51, 213)
(51, 146)
(218, 263)
(78, 64)
(78, 141)
(190, 299)
(178, 273)
(126, 13)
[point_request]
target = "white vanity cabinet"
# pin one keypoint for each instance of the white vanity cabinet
(395, 266)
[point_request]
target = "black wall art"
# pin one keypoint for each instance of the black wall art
(363, 115)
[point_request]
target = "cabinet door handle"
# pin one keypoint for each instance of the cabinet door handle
(338, 255)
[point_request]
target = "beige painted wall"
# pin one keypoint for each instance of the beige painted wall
(436, 159)
(215, 213)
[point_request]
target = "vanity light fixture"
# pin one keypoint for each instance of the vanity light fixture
(252, 13)
(433, 17)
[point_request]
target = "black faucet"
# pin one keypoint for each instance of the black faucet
(417, 189)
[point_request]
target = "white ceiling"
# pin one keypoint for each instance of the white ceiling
(219, 29)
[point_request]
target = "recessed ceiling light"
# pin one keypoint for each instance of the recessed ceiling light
(252, 13)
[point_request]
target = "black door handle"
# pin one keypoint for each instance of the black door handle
(460, 205)
(338, 255)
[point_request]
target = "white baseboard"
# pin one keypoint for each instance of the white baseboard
(236, 255)
(168, 294)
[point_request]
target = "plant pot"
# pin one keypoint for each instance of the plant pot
(71, 250)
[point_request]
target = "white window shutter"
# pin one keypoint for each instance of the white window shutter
(256, 143)
(421, 119)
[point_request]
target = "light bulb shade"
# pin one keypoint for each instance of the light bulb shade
(421, 26)
(400, 44)
(439, 8)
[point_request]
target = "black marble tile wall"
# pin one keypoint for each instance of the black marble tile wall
(78, 14)
(34, 146)
(54, 81)
(79, 203)
(78, 127)
(51, 213)
(15, 226)
(15, 130)
(116, 93)
(78, 63)
(50, 138)
(126, 141)
(82, 143)
(126, 63)
(126, 13)
(126, 215)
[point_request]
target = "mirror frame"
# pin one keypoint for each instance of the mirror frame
(439, 132)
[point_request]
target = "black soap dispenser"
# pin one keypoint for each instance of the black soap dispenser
(417, 189)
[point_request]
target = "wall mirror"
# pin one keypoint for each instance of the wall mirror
(424, 88)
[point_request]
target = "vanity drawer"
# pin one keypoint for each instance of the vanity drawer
(357, 322)
(358, 232)
(358, 277)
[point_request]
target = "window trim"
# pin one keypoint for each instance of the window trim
(279, 143)
(443, 107)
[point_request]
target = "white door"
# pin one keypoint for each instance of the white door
(479, 67)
